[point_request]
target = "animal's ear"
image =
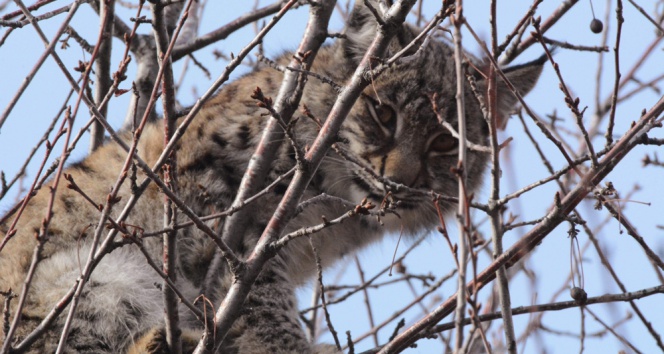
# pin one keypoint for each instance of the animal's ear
(523, 77)
(361, 29)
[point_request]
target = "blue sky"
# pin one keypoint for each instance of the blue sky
(550, 262)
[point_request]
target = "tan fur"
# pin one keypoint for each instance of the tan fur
(122, 308)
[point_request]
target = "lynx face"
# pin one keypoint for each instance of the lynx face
(398, 134)
(395, 130)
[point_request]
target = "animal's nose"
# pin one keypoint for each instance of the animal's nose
(400, 166)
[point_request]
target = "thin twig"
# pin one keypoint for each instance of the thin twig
(555, 216)
(319, 272)
(557, 306)
(645, 14)
(462, 217)
(48, 51)
(616, 87)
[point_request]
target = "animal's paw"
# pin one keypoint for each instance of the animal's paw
(154, 342)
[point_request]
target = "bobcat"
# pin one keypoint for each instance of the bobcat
(392, 128)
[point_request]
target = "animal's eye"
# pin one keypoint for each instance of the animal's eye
(384, 115)
(444, 143)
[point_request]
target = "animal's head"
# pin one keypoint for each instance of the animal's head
(395, 127)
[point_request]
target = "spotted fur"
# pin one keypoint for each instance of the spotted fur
(393, 129)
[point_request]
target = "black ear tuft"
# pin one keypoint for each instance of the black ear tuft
(523, 77)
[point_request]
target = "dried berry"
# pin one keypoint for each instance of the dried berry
(579, 295)
(596, 26)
